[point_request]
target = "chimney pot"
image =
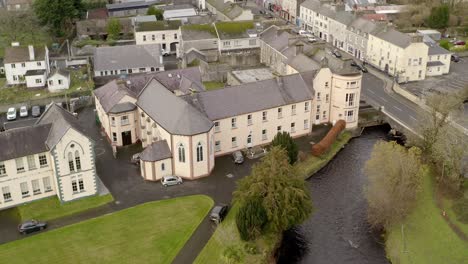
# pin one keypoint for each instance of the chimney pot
(31, 52)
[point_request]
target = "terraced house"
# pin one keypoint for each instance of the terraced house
(51, 157)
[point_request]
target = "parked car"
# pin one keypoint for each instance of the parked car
(312, 39)
(36, 111)
(23, 111)
(218, 213)
(354, 63)
(455, 58)
(336, 53)
(361, 68)
(11, 114)
(303, 33)
(136, 159)
(165, 52)
(170, 180)
(237, 157)
(460, 42)
(31, 226)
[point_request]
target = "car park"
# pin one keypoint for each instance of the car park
(455, 58)
(23, 111)
(36, 111)
(11, 114)
(170, 180)
(218, 213)
(31, 226)
(238, 157)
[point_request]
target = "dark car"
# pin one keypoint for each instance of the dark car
(361, 68)
(31, 226)
(354, 63)
(455, 58)
(218, 213)
(336, 53)
(36, 111)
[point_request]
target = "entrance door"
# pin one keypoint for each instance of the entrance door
(126, 138)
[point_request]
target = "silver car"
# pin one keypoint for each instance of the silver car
(238, 157)
(170, 180)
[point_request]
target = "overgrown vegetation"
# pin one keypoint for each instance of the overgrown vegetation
(394, 180)
(209, 86)
(158, 13)
(233, 28)
(113, 29)
(200, 27)
(58, 15)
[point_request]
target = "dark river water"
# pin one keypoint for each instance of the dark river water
(338, 231)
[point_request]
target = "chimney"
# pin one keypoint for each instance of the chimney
(299, 48)
(31, 52)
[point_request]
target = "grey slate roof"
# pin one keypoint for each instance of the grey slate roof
(20, 142)
(122, 108)
(302, 63)
(174, 114)
(130, 5)
(34, 72)
(434, 63)
(251, 97)
(435, 49)
(393, 36)
(62, 72)
(111, 93)
(158, 150)
(327, 10)
(125, 57)
(21, 54)
(227, 8)
(19, 123)
(61, 121)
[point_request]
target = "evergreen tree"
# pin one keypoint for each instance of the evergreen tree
(153, 11)
(285, 141)
(251, 218)
(57, 14)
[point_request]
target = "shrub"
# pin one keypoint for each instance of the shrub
(285, 141)
(250, 219)
(460, 208)
(445, 44)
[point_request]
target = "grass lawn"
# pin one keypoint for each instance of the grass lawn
(2, 82)
(313, 164)
(51, 208)
(213, 85)
(149, 233)
(427, 236)
(227, 237)
(18, 94)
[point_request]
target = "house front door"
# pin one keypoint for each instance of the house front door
(126, 138)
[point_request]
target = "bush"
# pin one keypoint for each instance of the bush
(285, 141)
(302, 156)
(445, 44)
(460, 208)
(250, 219)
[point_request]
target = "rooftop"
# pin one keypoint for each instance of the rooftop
(21, 54)
(158, 25)
(230, 30)
(158, 150)
(125, 57)
(253, 75)
(196, 32)
(24, 141)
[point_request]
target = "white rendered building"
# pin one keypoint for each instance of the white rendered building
(52, 157)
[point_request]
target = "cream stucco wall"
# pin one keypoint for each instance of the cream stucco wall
(322, 99)
(408, 63)
(152, 171)
(53, 84)
(439, 70)
(225, 132)
(13, 179)
(36, 80)
(18, 70)
(162, 37)
(342, 107)
(244, 43)
(71, 142)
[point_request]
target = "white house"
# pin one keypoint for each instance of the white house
(164, 33)
(58, 80)
(26, 65)
(52, 157)
(130, 59)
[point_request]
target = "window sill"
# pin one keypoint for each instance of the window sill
(3, 175)
(9, 200)
(264, 121)
(233, 127)
(26, 196)
(48, 190)
(20, 171)
(44, 166)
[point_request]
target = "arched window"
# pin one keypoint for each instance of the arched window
(77, 160)
(199, 152)
(181, 153)
(163, 167)
(71, 164)
(249, 139)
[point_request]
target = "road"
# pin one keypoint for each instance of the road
(378, 93)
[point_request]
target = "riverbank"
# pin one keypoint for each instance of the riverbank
(425, 236)
(226, 245)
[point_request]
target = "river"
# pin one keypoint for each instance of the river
(338, 231)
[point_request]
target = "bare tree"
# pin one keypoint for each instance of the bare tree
(394, 180)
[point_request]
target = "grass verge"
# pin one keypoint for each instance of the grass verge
(149, 233)
(50, 208)
(226, 246)
(425, 237)
(313, 164)
(210, 86)
(19, 94)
